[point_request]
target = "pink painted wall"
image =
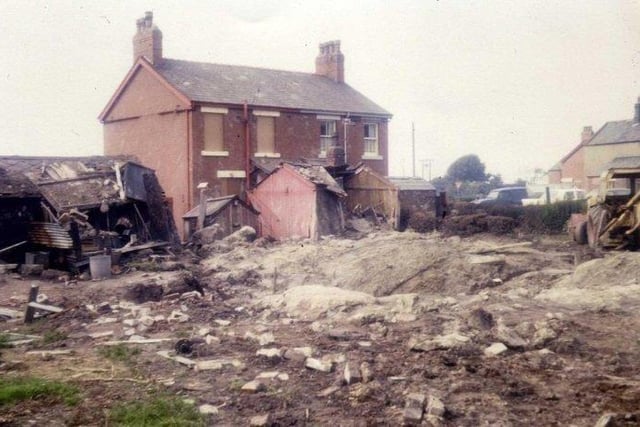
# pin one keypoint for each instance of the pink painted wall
(287, 205)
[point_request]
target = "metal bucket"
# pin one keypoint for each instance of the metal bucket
(100, 266)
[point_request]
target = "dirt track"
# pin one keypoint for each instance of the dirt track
(412, 313)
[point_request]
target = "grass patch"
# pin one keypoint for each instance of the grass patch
(119, 353)
(157, 411)
(13, 390)
(51, 337)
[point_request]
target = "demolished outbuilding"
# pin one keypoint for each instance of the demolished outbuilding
(79, 206)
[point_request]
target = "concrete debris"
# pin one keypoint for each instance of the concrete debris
(270, 353)
(495, 349)
(208, 409)
(318, 365)
(435, 408)
(441, 342)
(178, 316)
(254, 386)
(244, 235)
(606, 420)
(544, 334)
(328, 391)
(509, 337)
(352, 372)
(414, 408)
(214, 365)
(222, 322)
(365, 372)
(103, 334)
(260, 420)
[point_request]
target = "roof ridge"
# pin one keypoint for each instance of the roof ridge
(253, 67)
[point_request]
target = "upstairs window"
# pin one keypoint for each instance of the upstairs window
(266, 134)
(328, 135)
(371, 139)
(213, 119)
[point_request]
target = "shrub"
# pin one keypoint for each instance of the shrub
(550, 218)
(501, 224)
(465, 225)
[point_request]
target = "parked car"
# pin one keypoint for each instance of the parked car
(557, 195)
(504, 196)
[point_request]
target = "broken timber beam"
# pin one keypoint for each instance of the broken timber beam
(31, 311)
(45, 307)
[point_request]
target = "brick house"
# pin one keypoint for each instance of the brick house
(614, 141)
(570, 169)
(200, 122)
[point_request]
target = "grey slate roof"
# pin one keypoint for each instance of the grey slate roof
(231, 84)
(616, 132)
(413, 184)
(629, 162)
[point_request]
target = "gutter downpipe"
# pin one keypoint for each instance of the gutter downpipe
(189, 161)
(247, 146)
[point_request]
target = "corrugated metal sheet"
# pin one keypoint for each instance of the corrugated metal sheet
(50, 234)
(213, 206)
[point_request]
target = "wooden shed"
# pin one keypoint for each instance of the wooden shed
(299, 200)
(389, 196)
(229, 212)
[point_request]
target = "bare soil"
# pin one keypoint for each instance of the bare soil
(571, 334)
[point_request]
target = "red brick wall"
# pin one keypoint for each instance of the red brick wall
(573, 167)
(149, 121)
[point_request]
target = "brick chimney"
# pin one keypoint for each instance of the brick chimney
(147, 41)
(636, 115)
(330, 61)
(587, 134)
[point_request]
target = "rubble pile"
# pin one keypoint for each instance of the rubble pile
(392, 328)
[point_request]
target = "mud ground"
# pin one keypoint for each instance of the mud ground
(401, 312)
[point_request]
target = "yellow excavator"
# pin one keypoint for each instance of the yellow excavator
(613, 214)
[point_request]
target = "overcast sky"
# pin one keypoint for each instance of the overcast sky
(511, 81)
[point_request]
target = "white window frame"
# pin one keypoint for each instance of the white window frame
(328, 138)
(371, 142)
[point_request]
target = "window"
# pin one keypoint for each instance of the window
(371, 139)
(213, 133)
(266, 134)
(328, 135)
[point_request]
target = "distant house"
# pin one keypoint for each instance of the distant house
(229, 212)
(198, 122)
(299, 200)
(570, 169)
(583, 165)
(614, 140)
(389, 196)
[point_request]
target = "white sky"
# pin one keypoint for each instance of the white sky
(511, 81)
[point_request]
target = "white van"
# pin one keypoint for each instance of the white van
(557, 195)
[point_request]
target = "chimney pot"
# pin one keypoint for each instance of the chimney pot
(587, 134)
(147, 41)
(335, 156)
(330, 61)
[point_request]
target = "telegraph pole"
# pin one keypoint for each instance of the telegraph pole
(413, 145)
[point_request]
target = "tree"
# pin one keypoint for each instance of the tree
(467, 168)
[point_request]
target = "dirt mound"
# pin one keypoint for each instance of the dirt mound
(612, 282)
